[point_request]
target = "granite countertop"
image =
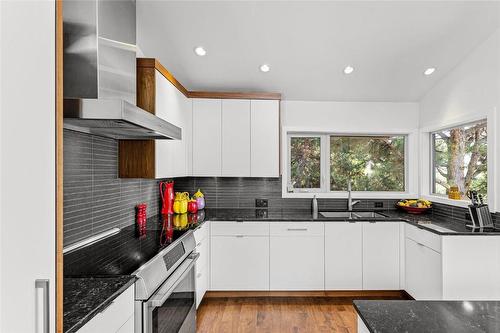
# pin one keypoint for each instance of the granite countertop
(87, 296)
(429, 316)
(435, 224)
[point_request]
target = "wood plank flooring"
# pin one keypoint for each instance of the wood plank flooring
(276, 314)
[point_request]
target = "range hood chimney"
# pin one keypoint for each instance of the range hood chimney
(100, 73)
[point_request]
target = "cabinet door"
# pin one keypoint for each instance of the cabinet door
(239, 262)
(27, 161)
(264, 138)
(380, 256)
(423, 271)
(172, 106)
(297, 262)
(343, 256)
(207, 137)
(236, 138)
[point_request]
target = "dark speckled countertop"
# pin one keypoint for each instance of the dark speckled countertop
(86, 297)
(430, 316)
(429, 222)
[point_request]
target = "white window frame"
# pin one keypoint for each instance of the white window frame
(427, 160)
(411, 164)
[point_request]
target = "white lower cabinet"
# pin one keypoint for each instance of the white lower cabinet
(380, 255)
(117, 317)
(297, 256)
(239, 256)
(423, 271)
(201, 236)
(343, 256)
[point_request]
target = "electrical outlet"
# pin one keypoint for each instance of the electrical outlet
(261, 203)
(379, 204)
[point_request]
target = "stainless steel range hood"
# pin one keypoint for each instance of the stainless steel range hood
(100, 73)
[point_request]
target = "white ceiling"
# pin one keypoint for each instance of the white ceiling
(308, 43)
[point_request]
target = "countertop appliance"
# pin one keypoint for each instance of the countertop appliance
(100, 73)
(163, 259)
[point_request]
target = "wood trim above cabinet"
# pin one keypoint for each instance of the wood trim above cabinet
(155, 64)
(235, 95)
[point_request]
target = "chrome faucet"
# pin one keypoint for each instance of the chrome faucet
(350, 203)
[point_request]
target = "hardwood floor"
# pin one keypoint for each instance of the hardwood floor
(277, 314)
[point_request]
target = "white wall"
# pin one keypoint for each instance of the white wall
(353, 117)
(27, 139)
(469, 92)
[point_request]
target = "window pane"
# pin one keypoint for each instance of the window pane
(305, 162)
(460, 159)
(373, 163)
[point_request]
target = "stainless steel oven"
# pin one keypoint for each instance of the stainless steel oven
(166, 290)
(172, 308)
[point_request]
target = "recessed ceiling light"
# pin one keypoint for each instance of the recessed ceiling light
(429, 71)
(200, 51)
(265, 68)
(348, 70)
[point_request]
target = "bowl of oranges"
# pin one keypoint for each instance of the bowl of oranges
(414, 206)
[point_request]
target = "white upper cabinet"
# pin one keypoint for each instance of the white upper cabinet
(380, 256)
(236, 137)
(171, 105)
(343, 256)
(265, 126)
(207, 114)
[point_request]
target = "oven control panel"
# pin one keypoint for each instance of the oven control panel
(174, 255)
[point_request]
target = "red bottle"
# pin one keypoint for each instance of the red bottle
(167, 197)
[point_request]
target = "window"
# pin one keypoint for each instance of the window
(460, 159)
(305, 162)
(372, 163)
(375, 163)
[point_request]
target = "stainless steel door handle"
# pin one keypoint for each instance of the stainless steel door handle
(297, 229)
(44, 285)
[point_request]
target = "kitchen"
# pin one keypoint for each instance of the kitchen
(250, 166)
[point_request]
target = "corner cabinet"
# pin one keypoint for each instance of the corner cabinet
(159, 158)
(236, 137)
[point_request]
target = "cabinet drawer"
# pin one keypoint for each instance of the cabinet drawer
(423, 237)
(297, 229)
(202, 249)
(220, 228)
(114, 316)
(201, 233)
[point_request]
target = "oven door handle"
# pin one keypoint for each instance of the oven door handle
(173, 281)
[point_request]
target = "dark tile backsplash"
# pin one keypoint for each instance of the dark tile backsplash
(95, 199)
(241, 193)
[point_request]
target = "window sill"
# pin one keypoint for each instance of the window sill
(355, 195)
(447, 201)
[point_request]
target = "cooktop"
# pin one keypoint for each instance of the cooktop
(133, 246)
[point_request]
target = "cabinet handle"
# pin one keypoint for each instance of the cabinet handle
(198, 244)
(44, 285)
(372, 221)
(106, 307)
(418, 243)
(297, 229)
(239, 236)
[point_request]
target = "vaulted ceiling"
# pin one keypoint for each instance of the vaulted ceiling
(308, 43)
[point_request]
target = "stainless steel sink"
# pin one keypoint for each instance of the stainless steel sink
(353, 215)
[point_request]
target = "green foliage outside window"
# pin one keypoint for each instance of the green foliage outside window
(305, 162)
(460, 159)
(372, 163)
